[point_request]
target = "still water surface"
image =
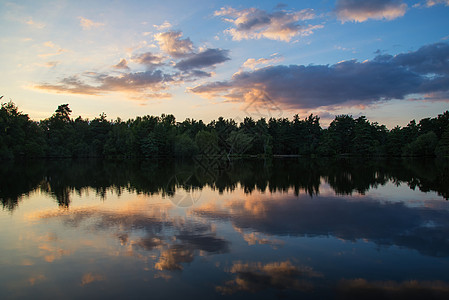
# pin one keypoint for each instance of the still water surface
(308, 229)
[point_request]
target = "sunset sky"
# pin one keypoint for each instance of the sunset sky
(385, 59)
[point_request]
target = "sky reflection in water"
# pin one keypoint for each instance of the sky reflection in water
(256, 230)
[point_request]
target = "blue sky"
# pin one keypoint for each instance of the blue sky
(385, 59)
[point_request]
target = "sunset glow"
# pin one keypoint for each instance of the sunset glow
(386, 59)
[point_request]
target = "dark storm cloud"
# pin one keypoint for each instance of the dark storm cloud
(350, 82)
(360, 11)
(204, 59)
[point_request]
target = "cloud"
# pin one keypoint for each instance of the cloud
(70, 85)
(361, 11)
(178, 240)
(430, 3)
(40, 277)
(149, 59)
(384, 223)
(130, 83)
(87, 24)
(152, 80)
(253, 23)
(185, 66)
(49, 64)
(58, 52)
(51, 45)
(254, 238)
(199, 74)
(255, 277)
(171, 43)
(163, 26)
(51, 253)
(204, 59)
(34, 24)
(90, 277)
(172, 258)
(346, 83)
(122, 65)
(252, 63)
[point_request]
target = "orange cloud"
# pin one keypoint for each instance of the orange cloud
(143, 85)
(34, 24)
(252, 63)
(172, 258)
(52, 253)
(87, 24)
(430, 3)
(253, 23)
(56, 49)
(163, 26)
(90, 277)
(34, 279)
(171, 43)
(255, 238)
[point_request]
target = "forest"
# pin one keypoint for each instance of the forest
(61, 136)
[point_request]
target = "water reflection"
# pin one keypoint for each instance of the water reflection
(364, 289)
(423, 229)
(255, 277)
(177, 239)
(255, 230)
(345, 176)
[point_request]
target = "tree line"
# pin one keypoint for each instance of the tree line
(161, 136)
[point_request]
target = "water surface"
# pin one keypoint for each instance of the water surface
(312, 229)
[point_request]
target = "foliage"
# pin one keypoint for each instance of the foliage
(153, 136)
(19, 136)
(442, 149)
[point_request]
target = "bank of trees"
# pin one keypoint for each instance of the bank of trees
(161, 136)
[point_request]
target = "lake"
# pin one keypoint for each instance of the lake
(253, 229)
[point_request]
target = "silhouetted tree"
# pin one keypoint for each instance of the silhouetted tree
(152, 136)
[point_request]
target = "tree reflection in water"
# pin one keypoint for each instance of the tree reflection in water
(346, 176)
(282, 227)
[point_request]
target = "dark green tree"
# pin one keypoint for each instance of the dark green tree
(442, 148)
(184, 146)
(341, 133)
(424, 145)
(19, 136)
